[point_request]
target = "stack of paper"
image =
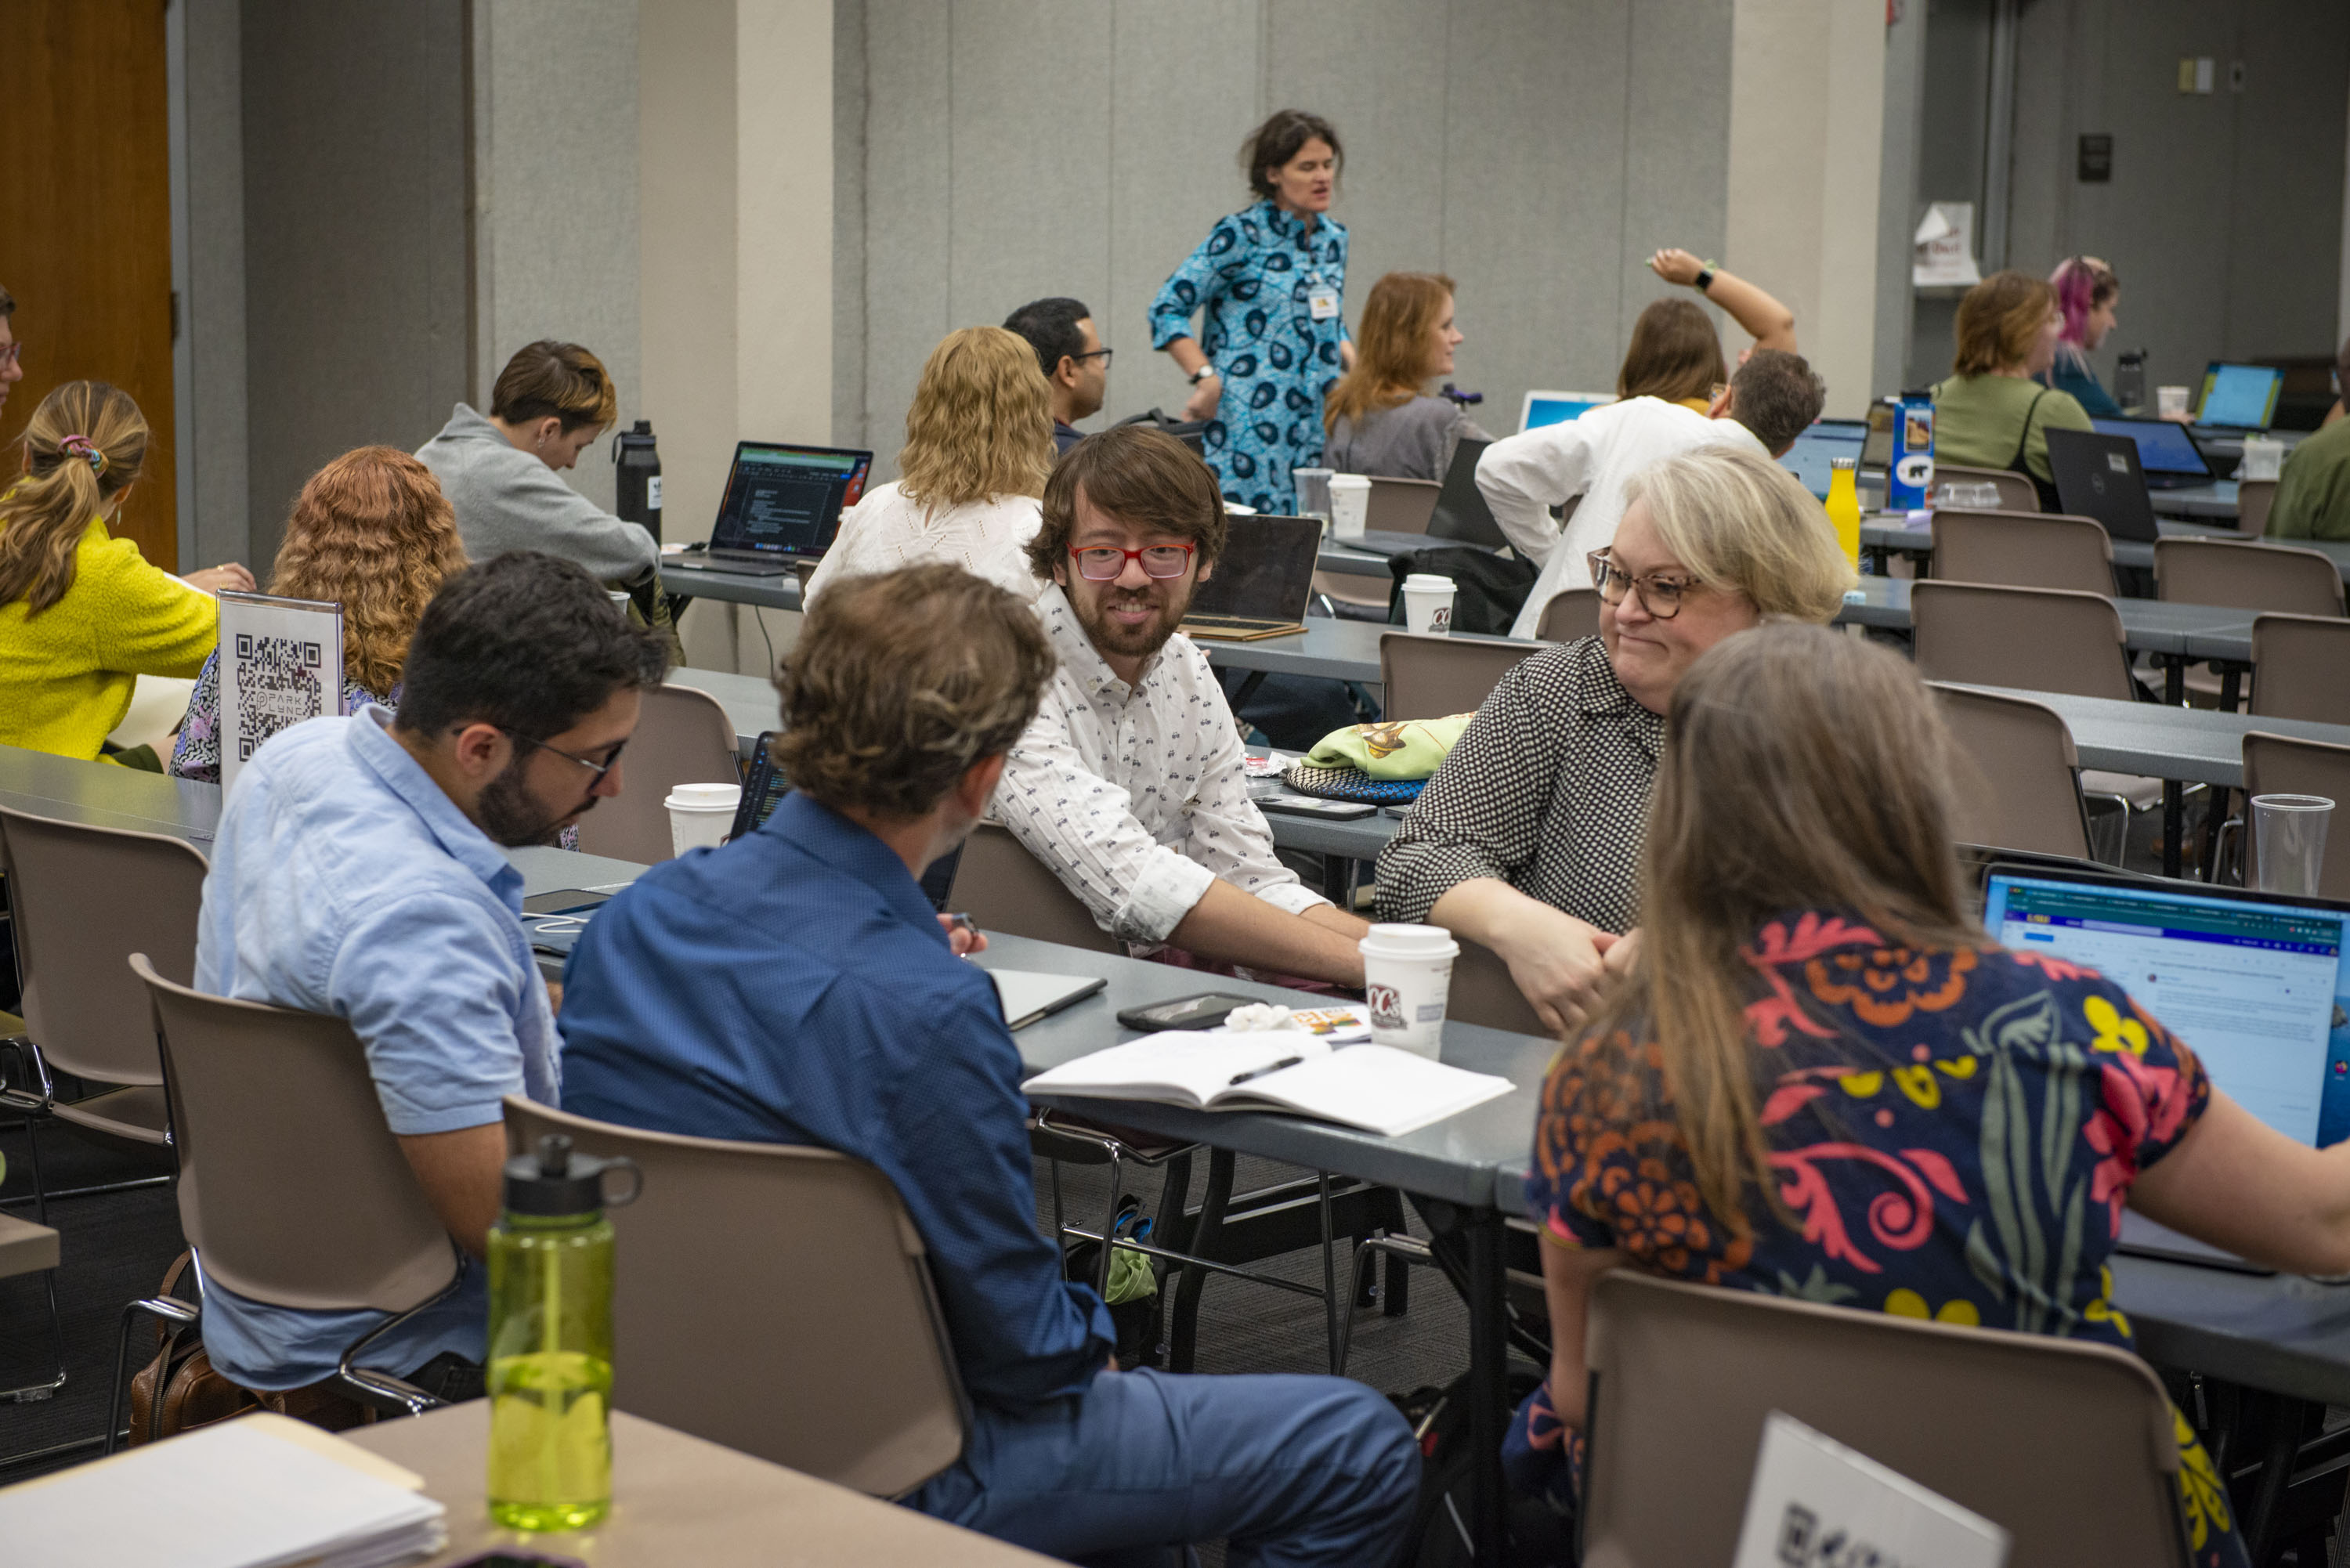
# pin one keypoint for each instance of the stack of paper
(260, 1491)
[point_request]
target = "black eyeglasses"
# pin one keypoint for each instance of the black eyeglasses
(1101, 354)
(611, 759)
(1660, 595)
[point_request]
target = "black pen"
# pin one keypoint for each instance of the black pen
(1239, 1078)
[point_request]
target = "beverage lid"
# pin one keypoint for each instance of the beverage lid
(1312, 473)
(554, 1180)
(1410, 941)
(1430, 581)
(704, 797)
(1841, 462)
(1349, 482)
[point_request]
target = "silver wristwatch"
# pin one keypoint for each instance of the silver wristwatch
(1202, 373)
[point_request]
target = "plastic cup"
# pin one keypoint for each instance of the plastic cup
(1407, 977)
(2263, 458)
(2170, 402)
(1428, 603)
(2288, 842)
(1313, 491)
(700, 815)
(1350, 502)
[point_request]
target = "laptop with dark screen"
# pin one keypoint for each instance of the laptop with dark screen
(1261, 583)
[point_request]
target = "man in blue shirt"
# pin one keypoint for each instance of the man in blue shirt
(795, 987)
(358, 872)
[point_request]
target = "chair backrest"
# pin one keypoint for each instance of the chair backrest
(1003, 887)
(1401, 505)
(2067, 1445)
(682, 736)
(2024, 550)
(291, 1188)
(2016, 491)
(1570, 613)
(1483, 992)
(2301, 668)
(2278, 765)
(775, 1298)
(2253, 499)
(2024, 792)
(84, 900)
(2042, 639)
(2245, 575)
(1434, 677)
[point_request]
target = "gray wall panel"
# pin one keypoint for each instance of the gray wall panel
(908, 188)
(1677, 161)
(2288, 155)
(849, 110)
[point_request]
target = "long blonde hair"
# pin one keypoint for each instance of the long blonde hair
(1803, 770)
(981, 424)
(371, 532)
(1392, 353)
(44, 514)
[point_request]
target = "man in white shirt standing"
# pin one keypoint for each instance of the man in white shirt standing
(1768, 403)
(1128, 783)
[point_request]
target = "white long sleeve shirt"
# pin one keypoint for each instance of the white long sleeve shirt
(1135, 795)
(888, 530)
(1523, 476)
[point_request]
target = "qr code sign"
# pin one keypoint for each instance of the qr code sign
(278, 683)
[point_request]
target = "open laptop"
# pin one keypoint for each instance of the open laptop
(1820, 445)
(2239, 397)
(2098, 476)
(1557, 407)
(2253, 982)
(2166, 453)
(1261, 582)
(1876, 446)
(1461, 516)
(783, 505)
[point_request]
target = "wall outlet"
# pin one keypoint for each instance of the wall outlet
(2197, 75)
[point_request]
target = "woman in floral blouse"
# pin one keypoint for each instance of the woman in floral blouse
(1820, 1079)
(1269, 282)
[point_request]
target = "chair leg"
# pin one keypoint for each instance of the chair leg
(1109, 1225)
(381, 1388)
(31, 1393)
(171, 1310)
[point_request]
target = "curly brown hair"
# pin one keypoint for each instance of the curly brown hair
(371, 532)
(1138, 475)
(902, 682)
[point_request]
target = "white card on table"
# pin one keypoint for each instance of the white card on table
(1815, 1504)
(281, 661)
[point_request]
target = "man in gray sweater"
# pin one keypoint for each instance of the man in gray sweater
(551, 402)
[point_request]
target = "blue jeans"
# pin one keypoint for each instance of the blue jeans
(1293, 1469)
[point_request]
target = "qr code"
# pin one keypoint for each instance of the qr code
(279, 682)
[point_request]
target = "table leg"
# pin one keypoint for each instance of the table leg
(2232, 687)
(1489, 1393)
(2174, 678)
(2293, 1418)
(1247, 688)
(1183, 1335)
(2174, 825)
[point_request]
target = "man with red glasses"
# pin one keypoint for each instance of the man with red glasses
(1128, 783)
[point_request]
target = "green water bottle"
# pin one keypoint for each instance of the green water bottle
(550, 1369)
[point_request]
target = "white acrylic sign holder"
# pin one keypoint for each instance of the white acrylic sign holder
(281, 661)
(1815, 1504)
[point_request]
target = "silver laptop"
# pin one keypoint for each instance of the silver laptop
(2253, 982)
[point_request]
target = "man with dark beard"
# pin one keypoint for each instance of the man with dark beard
(358, 871)
(1128, 783)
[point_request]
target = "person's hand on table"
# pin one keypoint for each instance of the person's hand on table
(1201, 403)
(963, 936)
(1558, 963)
(1676, 265)
(232, 578)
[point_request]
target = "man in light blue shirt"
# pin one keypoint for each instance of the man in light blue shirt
(358, 871)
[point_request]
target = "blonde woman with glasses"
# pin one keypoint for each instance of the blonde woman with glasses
(1528, 837)
(979, 443)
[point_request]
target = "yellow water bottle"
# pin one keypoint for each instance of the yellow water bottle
(1843, 505)
(550, 1369)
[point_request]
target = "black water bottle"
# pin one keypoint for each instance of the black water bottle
(2129, 382)
(635, 486)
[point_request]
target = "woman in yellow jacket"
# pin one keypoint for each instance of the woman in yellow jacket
(82, 614)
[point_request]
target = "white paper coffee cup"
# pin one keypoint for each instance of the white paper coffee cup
(1428, 603)
(2263, 458)
(1407, 977)
(700, 815)
(2170, 401)
(1350, 502)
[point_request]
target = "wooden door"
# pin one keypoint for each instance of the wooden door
(85, 224)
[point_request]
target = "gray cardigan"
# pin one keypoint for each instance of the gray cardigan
(1412, 441)
(506, 499)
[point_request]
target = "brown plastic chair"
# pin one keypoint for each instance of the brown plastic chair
(1482, 993)
(293, 1191)
(2301, 668)
(2067, 1445)
(2016, 491)
(682, 736)
(2279, 765)
(2039, 640)
(84, 899)
(2024, 550)
(1570, 613)
(1436, 677)
(2025, 792)
(1003, 887)
(777, 1299)
(2253, 499)
(2243, 574)
(1400, 506)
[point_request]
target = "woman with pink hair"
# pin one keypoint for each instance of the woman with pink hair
(2086, 293)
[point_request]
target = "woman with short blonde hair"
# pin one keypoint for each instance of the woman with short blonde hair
(1528, 838)
(979, 443)
(1380, 421)
(1991, 413)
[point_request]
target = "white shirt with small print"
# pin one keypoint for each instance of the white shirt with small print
(1135, 795)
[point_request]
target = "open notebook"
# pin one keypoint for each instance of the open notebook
(1373, 1087)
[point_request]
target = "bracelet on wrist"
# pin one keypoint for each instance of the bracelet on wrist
(1704, 277)
(1202, 373)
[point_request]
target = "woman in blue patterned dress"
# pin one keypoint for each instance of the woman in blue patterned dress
(1271, 282)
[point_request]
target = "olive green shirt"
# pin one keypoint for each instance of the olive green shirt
(1979, 421)
(2313, 498)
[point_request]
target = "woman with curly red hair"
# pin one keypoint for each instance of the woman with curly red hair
(372, 533)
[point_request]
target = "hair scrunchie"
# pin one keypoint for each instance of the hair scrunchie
(81, 446)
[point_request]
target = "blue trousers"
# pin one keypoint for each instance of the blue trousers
(1294, 1471)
